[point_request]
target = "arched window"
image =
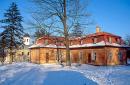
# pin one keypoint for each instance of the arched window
(27, 40)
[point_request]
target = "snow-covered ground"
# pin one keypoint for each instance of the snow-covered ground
(34, 74)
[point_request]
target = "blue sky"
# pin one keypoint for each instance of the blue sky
(111, 15)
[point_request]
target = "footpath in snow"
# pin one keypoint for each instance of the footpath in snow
(34, 74)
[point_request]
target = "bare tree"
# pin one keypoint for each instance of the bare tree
(40, 28)
(63, 14)
(58, 42)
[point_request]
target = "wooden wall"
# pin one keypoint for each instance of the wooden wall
(81, 55)
(34, 55)
(116, 60)
(87, 56)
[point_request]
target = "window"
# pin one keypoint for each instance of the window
(22, 53)
(81, 42)
(95, 40)
(80, 56)
(28, 53)
(71, 43)
(46, 42)
(118, 41)
(110, 55)
(120, 55)
(93, 56)
(27, 40)
(110, 40)
(47, 57)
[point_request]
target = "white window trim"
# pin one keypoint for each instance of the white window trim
(93, 56)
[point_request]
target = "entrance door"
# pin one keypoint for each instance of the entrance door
(47, 57)
(89, 58)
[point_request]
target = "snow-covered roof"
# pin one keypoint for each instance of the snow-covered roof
(102, 33)
(46, 46)
(102, 43)
(35, 46)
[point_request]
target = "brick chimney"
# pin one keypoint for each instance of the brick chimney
(98, 29)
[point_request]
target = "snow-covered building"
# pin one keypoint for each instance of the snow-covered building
(100, 48)
(23, 53)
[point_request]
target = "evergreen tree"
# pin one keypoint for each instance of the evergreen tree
(2, 49)
(13, 29)
(77, 31)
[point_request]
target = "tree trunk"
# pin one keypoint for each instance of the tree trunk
(11, 48)
(3, 56)
(68, 63)
(11, 56)
(58, 57)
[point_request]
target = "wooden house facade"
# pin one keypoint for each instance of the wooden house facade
(100, 48)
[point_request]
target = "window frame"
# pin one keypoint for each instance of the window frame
(46, 42)
(95, 40)
(93, 56)
(120, 55)
(110, 55)
(110, 39)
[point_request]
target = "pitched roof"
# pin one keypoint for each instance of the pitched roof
(102, 33)
(26, 35)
